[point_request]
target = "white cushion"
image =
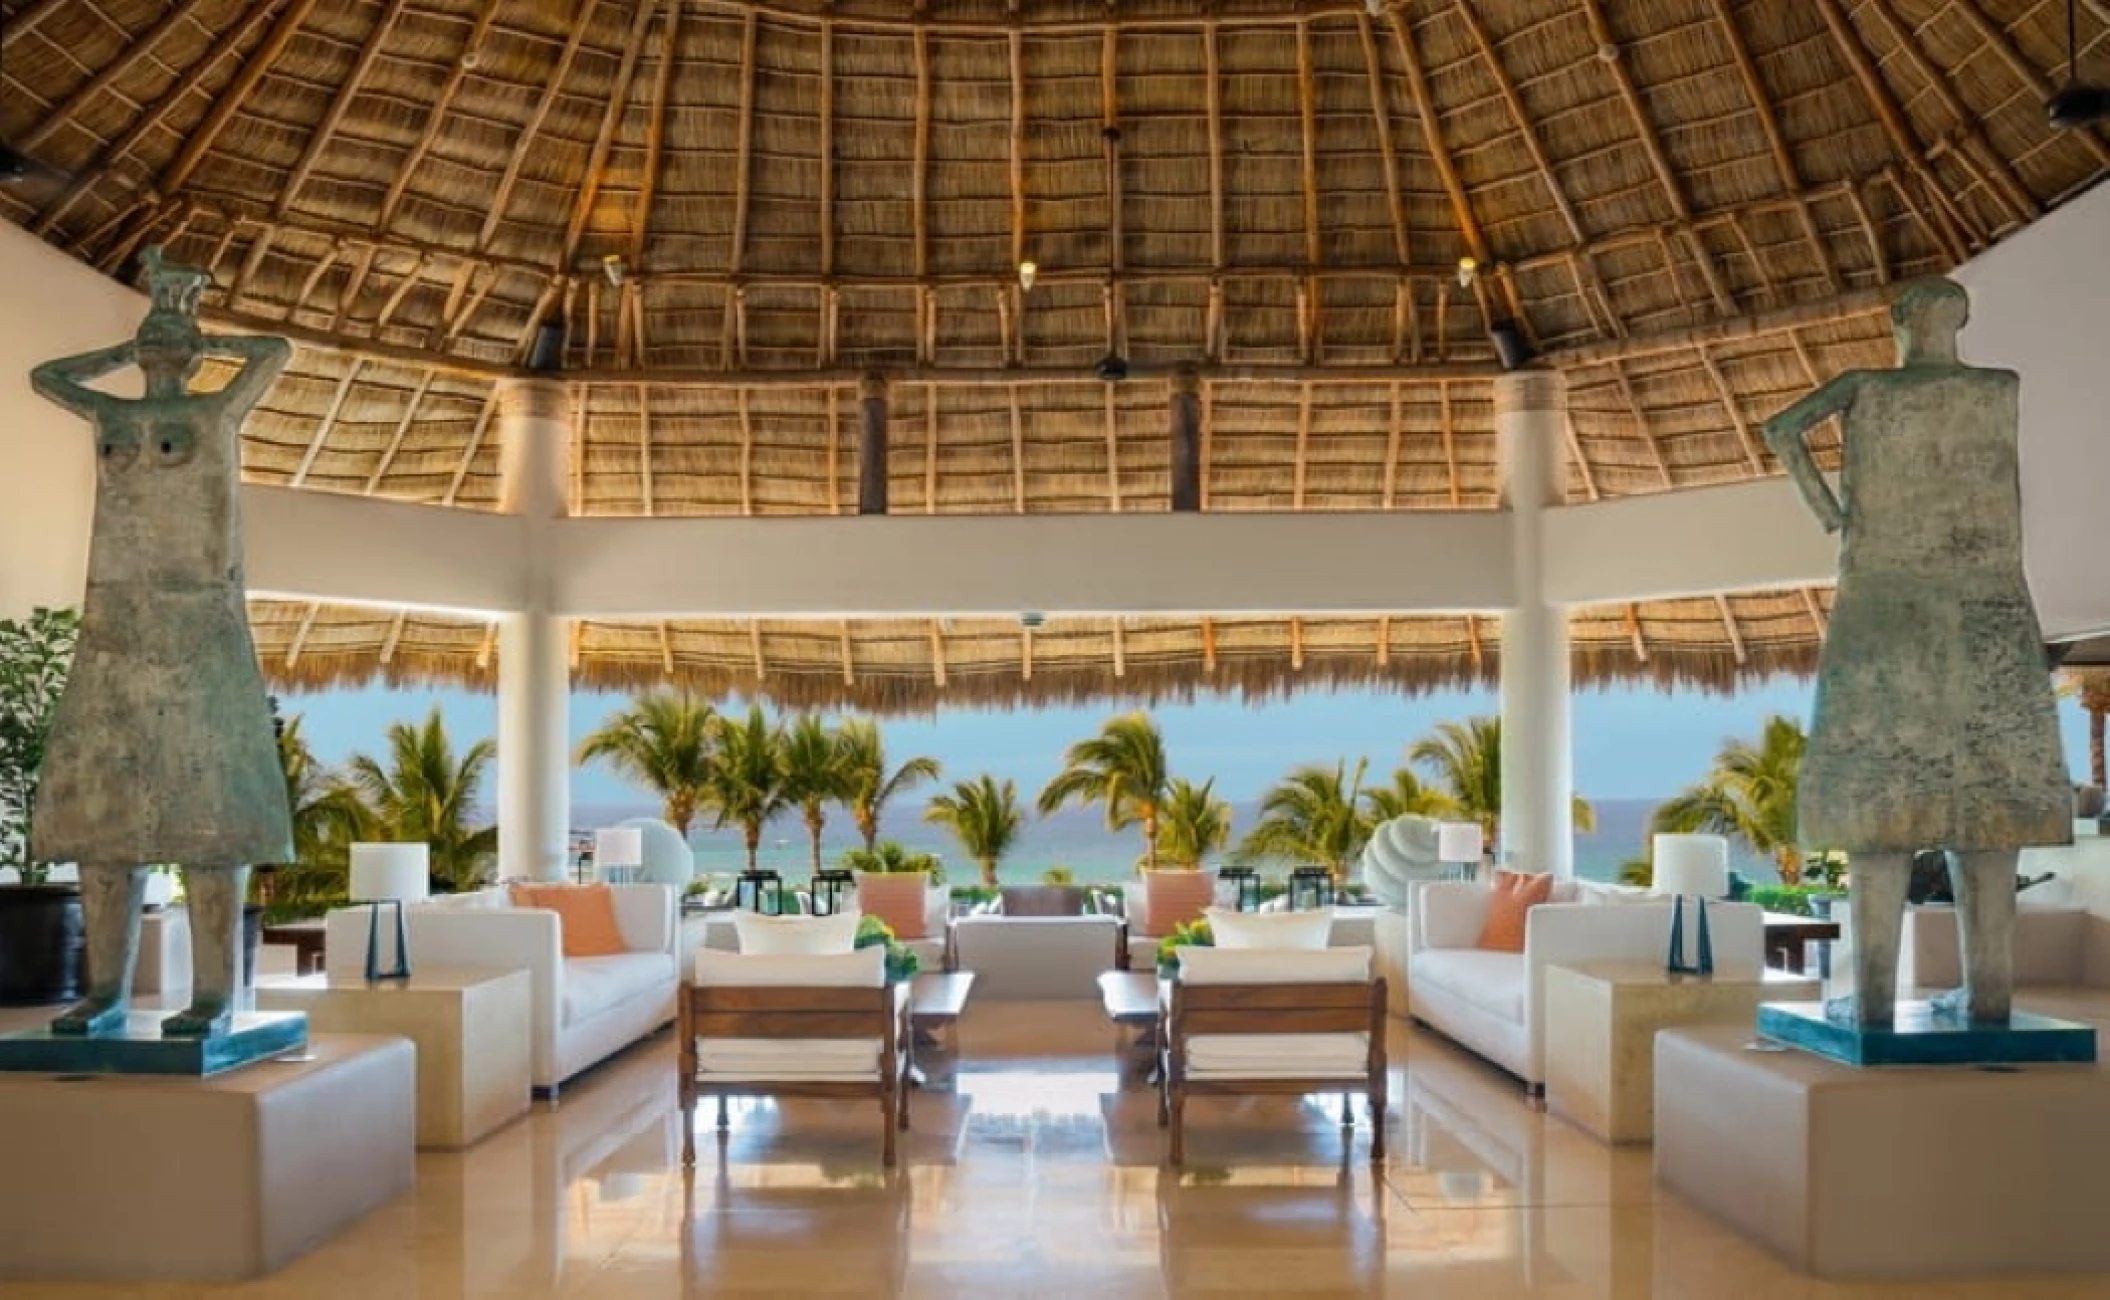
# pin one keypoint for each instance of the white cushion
(1281, 930)
(1199, 965)
(764, 936)
(860, 968)
(1599, 893)
(594, 984)
(1262, 1056)
(1491, 981)
(782, 1058)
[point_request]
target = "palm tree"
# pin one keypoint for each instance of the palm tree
(1193, 824)
(1407, 796)
(662, 741)
(1749, 794)
(983, 816)
(814, 774)
(1311, 816)
(1467, 758)
(2092, 685)
(745, 781)
(425, 793)
(327, 817)
(1124, 768)
(870, 784)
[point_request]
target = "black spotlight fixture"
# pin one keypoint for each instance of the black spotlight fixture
(546, 353)
(1512, 349)
(1113, 367)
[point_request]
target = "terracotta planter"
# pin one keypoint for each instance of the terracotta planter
(42, 944)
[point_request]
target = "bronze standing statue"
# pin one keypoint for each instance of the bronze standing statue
(161, 749)
(1934, 726)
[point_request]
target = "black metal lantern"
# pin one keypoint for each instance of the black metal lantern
(759, 891)
(1245, 882)
(828, 889)
(1310, 883)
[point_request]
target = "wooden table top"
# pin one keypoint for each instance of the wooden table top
(1130, 996)
(1805, 927)
(940, 995)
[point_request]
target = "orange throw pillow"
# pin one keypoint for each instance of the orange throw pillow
(585, 917)
(1176, 898)
(1515, 893)
(900, 898)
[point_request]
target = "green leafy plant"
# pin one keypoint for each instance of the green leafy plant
(1794, 900)
(984, 816)
(1187, 933)
(888, 857)
(901, 960)
(1058, 876)
(36, 654)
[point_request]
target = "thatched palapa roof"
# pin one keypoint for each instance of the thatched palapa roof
(1695, 208)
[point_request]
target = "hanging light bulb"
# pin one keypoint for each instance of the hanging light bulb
(615, 269)
(1467, 269)
(1026, 273)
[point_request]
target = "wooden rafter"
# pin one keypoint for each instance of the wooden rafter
(937, 653)
(328, 422)
(1025, 652)
(1120, 647)
(1384, 641)
(1996, 40)
(1113, 450)
(109, 76)
(843, 647)
(1652, 146)
(1736, 636)
(835, 454)
(1633, 634)
(1877, 257)
(1505, 85)
(1212, 89)
(1208, 645)
(919, 201)
(1308, 134)
(604, 139)
(747, 453)
(1450, 446)
(395, 439)
(644, 449)
(394, 637)
(754, 647)
(1754, 454)
(1297, 466)
(300, 634)
(341, 103)
(2008, 185)
(1639, 414)
(655, 136)
(930, 449)
(475, 444)
(1776, 141)
(436, 118)
(27, 21)
(1387, 157)
(666, 648)
(1432, 134)
(827, 159)
(1748, 325)
(1018, 452)
(232, 97)
(1394, 432)
(1815, 611)
(523, 146)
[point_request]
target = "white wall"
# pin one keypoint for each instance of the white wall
(55, 307)
(2040, 304)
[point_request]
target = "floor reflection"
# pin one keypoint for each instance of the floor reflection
(1033, 1167)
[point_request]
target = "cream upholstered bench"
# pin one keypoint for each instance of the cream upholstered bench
(1038, 957)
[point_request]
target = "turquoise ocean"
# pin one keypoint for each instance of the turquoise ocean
(1079, 840)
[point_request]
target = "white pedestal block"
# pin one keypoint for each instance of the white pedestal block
(164, 953)
(153, 1178)
(1391, 935)
(1887, 1173)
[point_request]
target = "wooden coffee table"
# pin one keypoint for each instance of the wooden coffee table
(1131, 1001)
(936, 999)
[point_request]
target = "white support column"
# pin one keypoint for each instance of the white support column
(534, 669)
(1538, 824)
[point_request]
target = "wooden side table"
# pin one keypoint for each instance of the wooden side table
(1601, 1023)
(471, 1031)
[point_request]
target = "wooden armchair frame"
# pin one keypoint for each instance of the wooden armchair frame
(797, 1012)
(1329, 1008)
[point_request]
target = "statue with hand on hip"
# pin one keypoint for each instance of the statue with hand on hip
(161, 749)
(1934, 723)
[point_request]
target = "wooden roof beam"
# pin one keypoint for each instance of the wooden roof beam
(1776, 141)
(937, 653)
(300, 634)
(1754, 455)
(644, 449)
(27, 21)
(1395, 433)
(394, 637)
(232, 97)
(332, 118)
(436, 118)
(395, 440)
(1996, 39)
(1387, 156)
(1746, 325)
(843, 648)
(1736, 636)
(744, 157)
(2008, 185)
(522, 146)
(611, 115)
(111, 73)
(475, 443)
(655, 135)
(1432, 133)
(1212, 87)
(666, 648)
(1018, 451)
(328, 422)
(1639, 414)
(754, 647)
(1658, 161)
(1633, 633)
(1015, 157)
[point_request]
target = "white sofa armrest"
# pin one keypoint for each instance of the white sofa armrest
(1449, 914)
(646, 915)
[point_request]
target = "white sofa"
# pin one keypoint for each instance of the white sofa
(2062, 959)
(584, 1008)
(1491, 1001)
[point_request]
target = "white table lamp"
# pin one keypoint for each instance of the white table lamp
(1696, 865)
(1462, 843)
(395, 873)
(617, 848)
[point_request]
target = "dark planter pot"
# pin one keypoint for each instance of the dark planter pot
(42, 944)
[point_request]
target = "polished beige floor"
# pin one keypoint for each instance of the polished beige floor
(1033, 1170)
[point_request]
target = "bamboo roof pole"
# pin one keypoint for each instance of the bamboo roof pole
(1113, 448)
(747, 456)
(1996, 39)
(395, 439)
(871, 445)
(1309, 307)
(930, 449)
(300, 634)
(1208, 645)
(604, 139)
(666, 648)
(474, 444)
(522, 145)
(1120, 648)
(1877, 257)
(1388, 160)
(1208, 439)
(834, 454)
(919, 200)
(328, 422)
(733, 343)
(1891, 117)
(340, 103)
(1776, 142)
(1425, 109)
(2008, 185)
(827, 165)
(1388, 491)
(843, 648)
(199, 140)
(110, 74)
(1736, 636)
(937, 653)
(754, 647)
(1212, 90)
(1025, 653)
(436, 117)
(1633, 633)
(646, 490)
(395, 636)
(649, 175)
(1018, 451)
(27, 21)
(1116, 237)
(1658, 161)
(1754, 456)
(1743, 326)
(1016, 157)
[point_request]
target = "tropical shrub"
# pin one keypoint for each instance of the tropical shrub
(1197, 933)
(901, 960)
(889, 857)
(36, 654)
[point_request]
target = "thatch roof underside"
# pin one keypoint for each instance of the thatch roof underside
(1695, 208)
(920, 665)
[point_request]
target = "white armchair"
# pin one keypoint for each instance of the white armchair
(584, 1008)
(1492, 1001)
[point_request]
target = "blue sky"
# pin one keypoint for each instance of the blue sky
(1629, 744)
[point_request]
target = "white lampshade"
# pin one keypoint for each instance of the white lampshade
(1459, 842)
(391, 873)
(1691, 864)
(618, 846)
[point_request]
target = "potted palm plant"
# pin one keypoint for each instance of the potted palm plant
(40, 922)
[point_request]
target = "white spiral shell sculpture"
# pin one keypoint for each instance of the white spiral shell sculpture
(1400, 854)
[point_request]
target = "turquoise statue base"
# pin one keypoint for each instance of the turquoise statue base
(1923, 1035)
(256, 1036)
